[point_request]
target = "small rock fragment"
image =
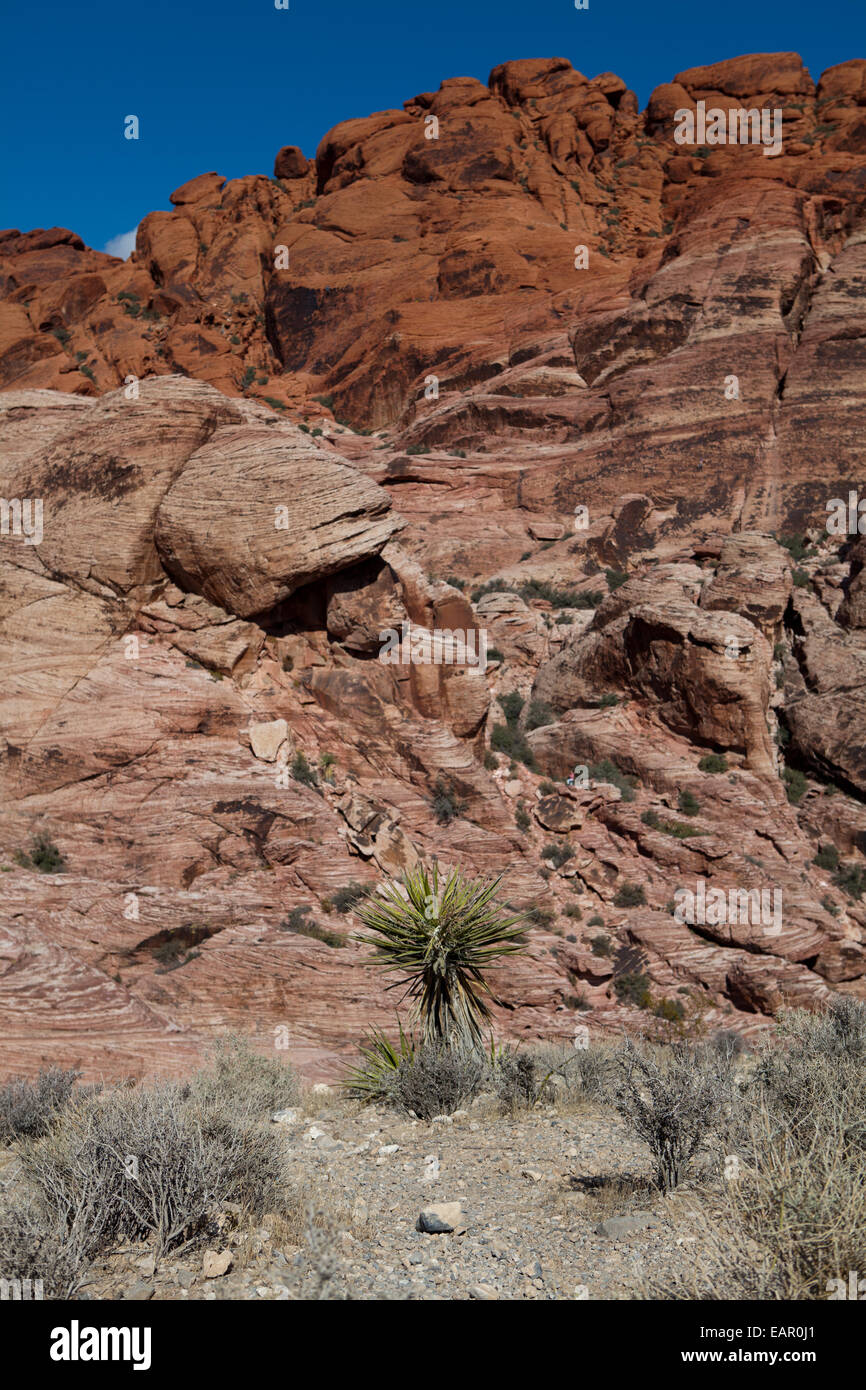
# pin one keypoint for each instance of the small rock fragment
(216, 1263)
(442, 1218)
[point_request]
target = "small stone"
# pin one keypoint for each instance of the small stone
(286, 1117)
(216, 1263)
(615, 1227)
(512, 788)
(139, 1292)
(388, 1149)
(533, 1174)
(545, 530)
(442, 1218)
(484, 1292)
(321, 1089)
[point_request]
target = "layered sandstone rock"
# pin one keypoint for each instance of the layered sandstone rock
(378, 390)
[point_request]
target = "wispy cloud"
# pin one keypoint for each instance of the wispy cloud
(122, 245)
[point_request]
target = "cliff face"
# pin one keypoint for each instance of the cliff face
(478, 352)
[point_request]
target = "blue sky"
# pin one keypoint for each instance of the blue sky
(219, 85)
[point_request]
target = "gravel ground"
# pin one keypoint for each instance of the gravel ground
(556, 1204)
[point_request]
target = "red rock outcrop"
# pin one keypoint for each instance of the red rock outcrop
(475, 354)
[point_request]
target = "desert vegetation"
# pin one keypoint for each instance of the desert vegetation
(756, 1154)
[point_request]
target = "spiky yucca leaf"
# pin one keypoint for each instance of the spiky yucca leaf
(380, 1062)
(442, 936)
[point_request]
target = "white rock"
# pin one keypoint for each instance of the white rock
(286, 1117)
(441, 1218)
(215, 1263)
(267, 739)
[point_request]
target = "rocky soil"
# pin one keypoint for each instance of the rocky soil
(247, 475)
(556, 1204)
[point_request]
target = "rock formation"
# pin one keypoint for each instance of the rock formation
(508, 361)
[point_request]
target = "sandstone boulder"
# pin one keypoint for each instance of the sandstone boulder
(255, 515)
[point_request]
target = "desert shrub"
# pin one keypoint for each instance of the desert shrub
(797, 546)
(494, 654)
(677, 828)
(174, 953)
(607, 771)
(688, 803)
(557, 854)
(491, 586)
(539, 715)
(243, 1081)
(632, 987)
(558, 598)
(302, 771)
(802, 1207)
(819, 1060)
(44, 856)
(506, 738)
(515, 1079)
(827, 857)
(437, 1080)
(345, 898)
(28, 1109)
(630, 895)
(615, 579)
(35, 1249)
(795, 784)
(713, 762)
(572, 910)
(509, 738)
(512, 706)
(491, 762)
(595, 1069)
(522, 818)
(795, 1217)
(299, 922)
(540, 916)
(851, 878)
(670, 1010)
(601, 945)
(673, 1103)
(574, 1073)
(446, 804)
(149, 1165)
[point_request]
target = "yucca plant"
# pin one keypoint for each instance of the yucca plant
(442, 936)
(375, 1076)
